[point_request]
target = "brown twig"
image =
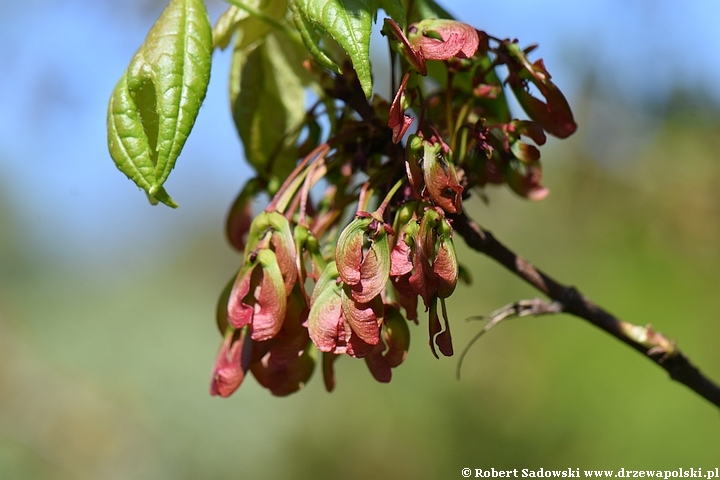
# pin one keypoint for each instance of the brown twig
(653, 345)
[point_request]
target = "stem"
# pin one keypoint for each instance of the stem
(462, 150)
(319, 262)
(324, 222)
(316, 171)
(464, 111)
(281, 198)
(392, 70)
(381, 209)
(448, 109)
(653, 345)
(366, 193)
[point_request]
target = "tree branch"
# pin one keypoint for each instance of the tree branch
(653, 345)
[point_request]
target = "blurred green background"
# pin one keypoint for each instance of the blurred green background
(107, 336)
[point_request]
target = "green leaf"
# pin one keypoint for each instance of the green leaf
(349, 23)
(396, 11)
(252, 19)
(154, 105)
(311, 39)
(270, 106)
(422, 9)
(227, 25)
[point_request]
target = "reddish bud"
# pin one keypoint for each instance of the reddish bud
(293, 336)
(326, 325)
(401, 254)
(239, 309)
(413, 159)
(232, 362)
(445, 266)
(525, 180)
(392, 349)
(406, 296)
(398, 121)
(435, 266)
(491, 92)
(396, 335)
(401, 260)
(423, 279)
(439, 337)
(413, 56)
(284, 246)
(554, 115)
(277, 227)
(328, 361)
(528, 129)
(258, 297)
(441, 178)
(286, 378)
(524, 152)
(378, 365)
(357, 347)
(363, 318)
(440, 39)
(362, 255)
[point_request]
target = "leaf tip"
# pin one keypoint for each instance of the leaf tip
(158, 194)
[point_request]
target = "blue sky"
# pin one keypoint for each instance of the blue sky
(61, 61)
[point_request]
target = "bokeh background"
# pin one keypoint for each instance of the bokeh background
(107, 335)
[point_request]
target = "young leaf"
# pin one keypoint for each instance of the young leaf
(395, 10)
(154, 105)
(269, 108)
(422, 9)
(251, 26)
(311, 39)
(227, 25)
(349, 23)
